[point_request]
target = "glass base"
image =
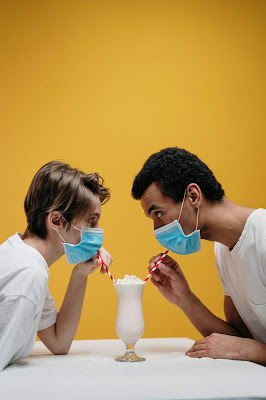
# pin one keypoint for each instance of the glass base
(130, 355)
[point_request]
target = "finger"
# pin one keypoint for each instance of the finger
(196, 347)
(159, 273)
(200, 341)
(156, 277)
(103, 270)
(168, 271)
(102, 262)
(154, 259)
(197, 354)
(105, 256)
(97, 263)
(151, 266)
(105, 260)
(154, 282)
(162, 284)
(167, 259)
(109, 260)
(94, 260)
(163, 280)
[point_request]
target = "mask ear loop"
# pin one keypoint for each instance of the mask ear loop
(61, 237)
(73, 226)
(69, 224)
(197, 218)
(181, 209)
(59, 232)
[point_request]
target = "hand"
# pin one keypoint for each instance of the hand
(106, 257)
(221, 346)
(88, 267)
(169, 279)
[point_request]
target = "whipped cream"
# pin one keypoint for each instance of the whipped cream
(130, 280)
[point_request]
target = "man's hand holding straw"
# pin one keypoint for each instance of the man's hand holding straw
(168, 277)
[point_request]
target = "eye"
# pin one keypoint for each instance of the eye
(158, 213)
(94, 221)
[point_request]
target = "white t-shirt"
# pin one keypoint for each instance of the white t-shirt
(26, 304)
(243, 273)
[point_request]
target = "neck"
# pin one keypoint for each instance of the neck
(223, 222)
(46, 247)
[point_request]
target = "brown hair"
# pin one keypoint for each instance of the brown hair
(58, 187)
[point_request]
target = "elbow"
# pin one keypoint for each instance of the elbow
(60, 350)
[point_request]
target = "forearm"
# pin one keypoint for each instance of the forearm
(203, 319)
(69, 315)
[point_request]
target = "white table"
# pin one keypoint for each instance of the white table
(89, 371)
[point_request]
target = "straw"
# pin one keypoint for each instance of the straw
(156, 265)
(106, 269)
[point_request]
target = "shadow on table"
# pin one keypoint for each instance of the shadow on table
(165, 350)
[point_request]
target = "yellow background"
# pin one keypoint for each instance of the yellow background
(103, 85)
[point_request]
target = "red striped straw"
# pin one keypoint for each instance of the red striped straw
(106, 269)
(156, 265)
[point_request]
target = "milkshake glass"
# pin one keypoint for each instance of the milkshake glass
(129, 321)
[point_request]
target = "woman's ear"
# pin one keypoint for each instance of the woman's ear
(54, 220)
(194, 195)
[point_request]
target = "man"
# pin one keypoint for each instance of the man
(63, 208)
(186, 203)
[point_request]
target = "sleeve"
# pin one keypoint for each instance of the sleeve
(17, 315)
(219, 264)
(49, 312)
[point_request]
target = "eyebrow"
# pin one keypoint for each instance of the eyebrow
(153, 207)
(94, 215)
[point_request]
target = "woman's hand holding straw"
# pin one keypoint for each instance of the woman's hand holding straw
(106, 269)
(156, 265)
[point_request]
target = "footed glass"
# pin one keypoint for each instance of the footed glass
(129, 321)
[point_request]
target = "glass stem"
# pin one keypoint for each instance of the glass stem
(130, 349)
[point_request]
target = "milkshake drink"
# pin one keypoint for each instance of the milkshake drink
(129, 322)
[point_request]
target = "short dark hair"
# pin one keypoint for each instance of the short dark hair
(173, 169)
(58, 187)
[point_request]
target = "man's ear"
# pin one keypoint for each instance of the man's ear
(194, 195)
(54, 220)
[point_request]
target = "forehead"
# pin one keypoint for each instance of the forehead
(153, 197)
(93, 208)
(96, 205)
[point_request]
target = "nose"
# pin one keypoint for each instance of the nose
(156, 225)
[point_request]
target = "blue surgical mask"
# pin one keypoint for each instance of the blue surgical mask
(91, 241)
(173, 238)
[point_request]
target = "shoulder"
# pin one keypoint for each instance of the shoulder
(255, 230)
(219, 248)
(221, 254)
(23, 269)
(14, 253)
(258, 220)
